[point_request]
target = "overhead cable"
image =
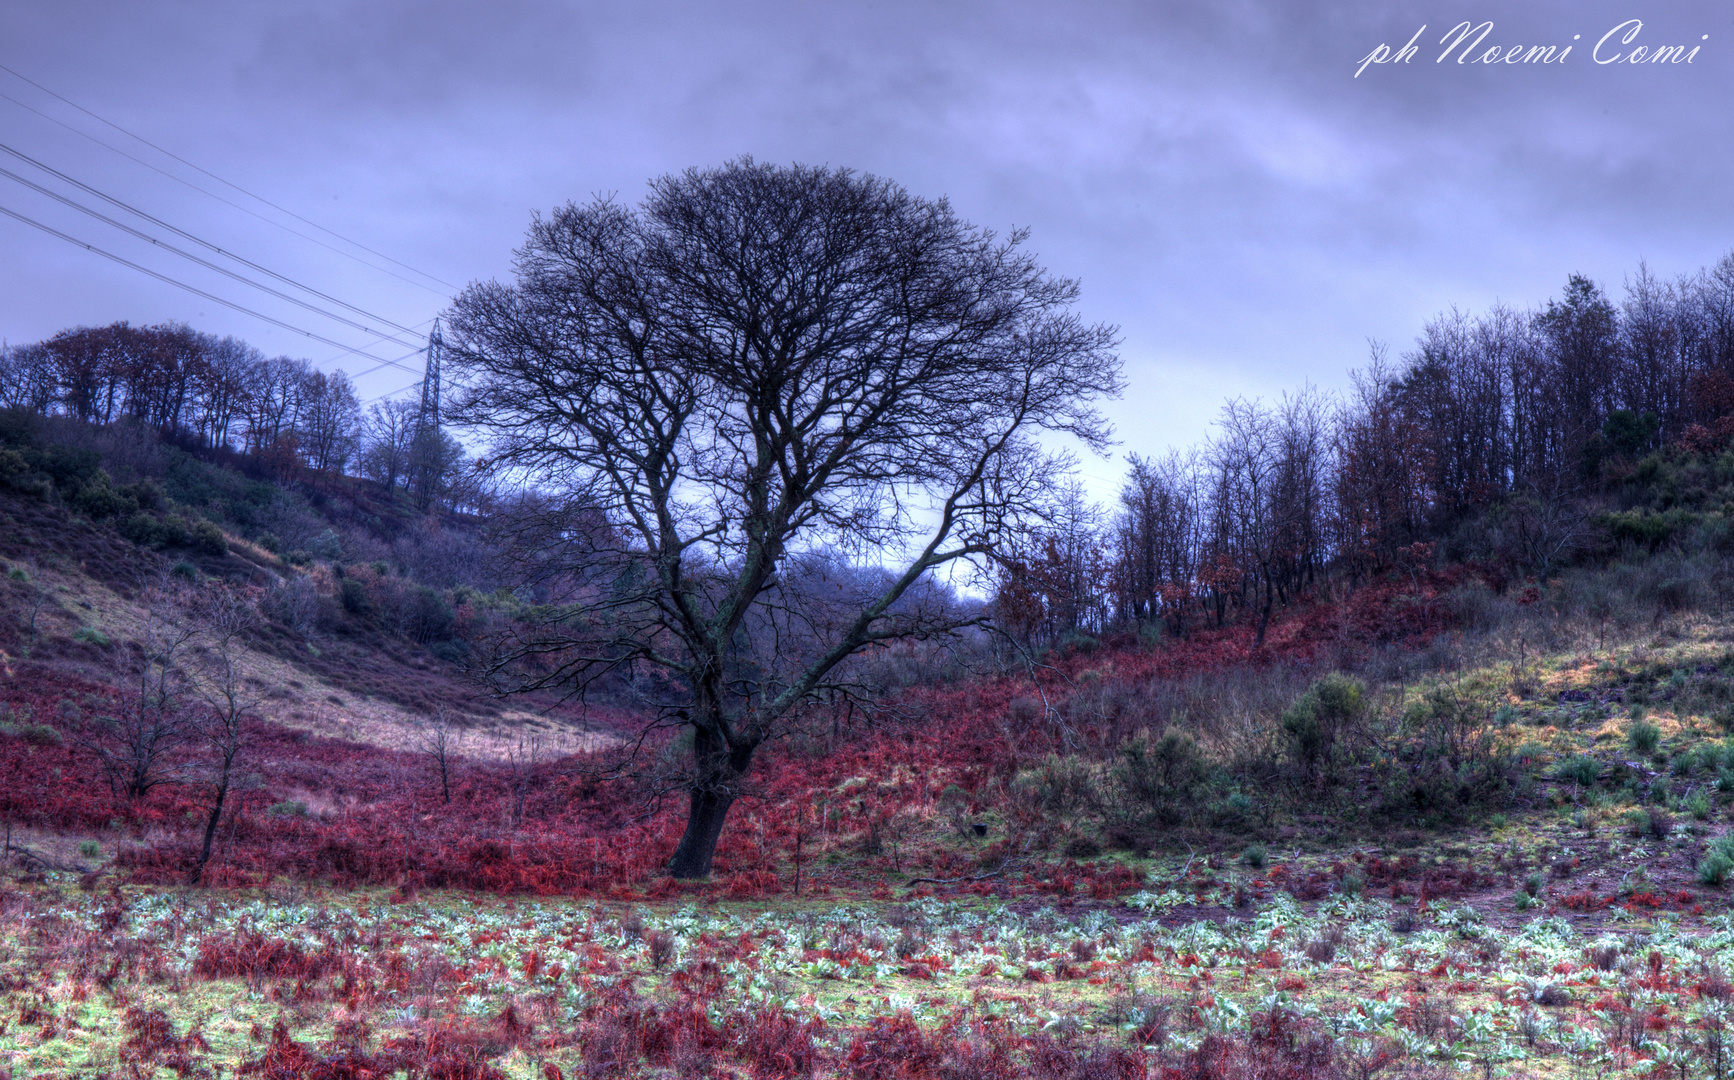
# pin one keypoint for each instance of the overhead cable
(196, 291)
(219, 179)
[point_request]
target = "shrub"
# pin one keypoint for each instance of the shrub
(1254, 857)
(38, 734)
(287, 808)
(1314, 722)
(270, 543)
(186, 570)
(98, 500)
(354, 597)
(1643, 737)
(1065, 785)
(91, 635)
(1159, 778)
(1714, 868)
(90, 849)
(1698, 805)
(140, 528)
(207, 539)
(1653, 822)
(1580, 769)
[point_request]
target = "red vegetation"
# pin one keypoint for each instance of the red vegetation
(379, 818)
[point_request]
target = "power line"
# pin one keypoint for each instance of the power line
(129, 208)
(196, 291)
(220, 180)
(219, 198)
(225, 271)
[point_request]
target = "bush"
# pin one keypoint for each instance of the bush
(1698, 805)
(1314, 722)
(1652, 822)
(353, 594)
(90, 849)
(1643, 737)
(287, 808)
(98, 500)
(1714, 868)
(37, 734)
(1255, 857)
(1580, 769)
(185, 570)
(270, 543)
(1159, 779)
(1719, 861)
(207, 539)
(1065, 785)
(140, 528)
(91, 635)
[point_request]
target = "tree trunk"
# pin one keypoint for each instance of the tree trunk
(703, 825)
(210, 834)
(1263, 613)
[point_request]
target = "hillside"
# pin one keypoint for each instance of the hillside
(1510, 854)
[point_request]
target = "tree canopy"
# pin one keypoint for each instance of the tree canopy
(756, 368)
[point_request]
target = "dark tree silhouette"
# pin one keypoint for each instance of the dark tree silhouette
(755, 366)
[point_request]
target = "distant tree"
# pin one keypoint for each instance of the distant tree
(329, 426)
(222, 385)
(136, 746)
(1581, 336)
(1157, 539)
(223, 725)
(435, 461)
(756, 364)
(388, 435)
(27, 381)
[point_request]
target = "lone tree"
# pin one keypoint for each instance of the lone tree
(720, 391)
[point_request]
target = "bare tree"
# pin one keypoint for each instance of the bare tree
(136, 746)
(1247, 456)
(522, 755)
(436, 737)
(756, 364)
(388, 433)
(222, 725)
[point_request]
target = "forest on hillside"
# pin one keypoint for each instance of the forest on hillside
(1516, 440)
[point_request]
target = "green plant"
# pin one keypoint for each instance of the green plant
(90, 849)
(1643, 737)
(1718, 862)
(1698, 805)
(91, 635)
(1532, 884)
(287, 808)
(207, 539)
(1314, 722)
(1653, 822)
(1580, 769)
(185, 570)
(1255, 856)
(38, 734)
(353, 595)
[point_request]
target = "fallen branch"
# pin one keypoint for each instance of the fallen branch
(43, 861)
(912, 882)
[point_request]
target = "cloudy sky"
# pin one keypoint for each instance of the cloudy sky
(1244, 207)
